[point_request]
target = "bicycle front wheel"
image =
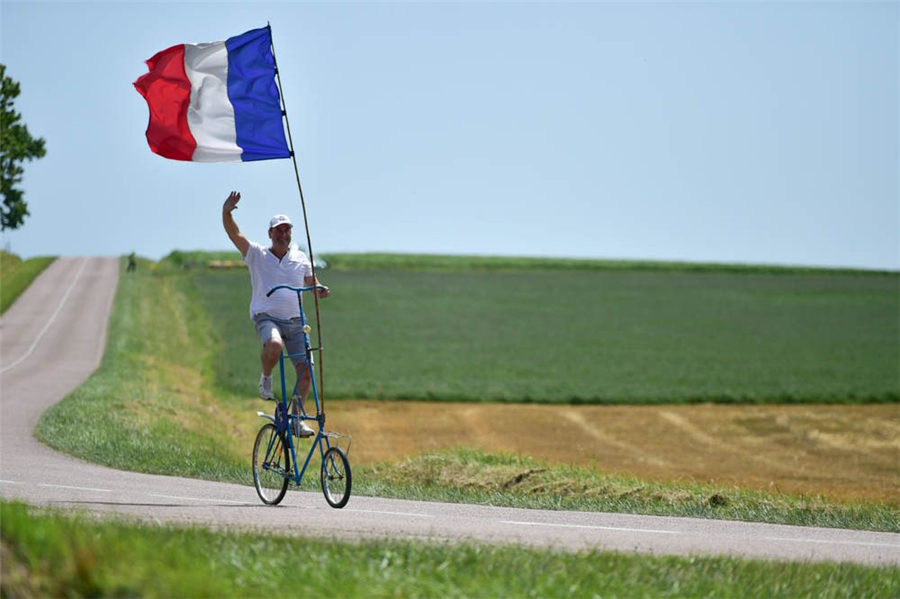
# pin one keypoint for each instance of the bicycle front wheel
(336, 477)
(271, 465)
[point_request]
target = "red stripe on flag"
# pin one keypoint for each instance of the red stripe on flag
(167, 90)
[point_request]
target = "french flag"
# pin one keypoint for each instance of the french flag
(215, 102)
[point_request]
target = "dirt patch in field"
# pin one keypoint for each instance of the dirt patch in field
(848, 452)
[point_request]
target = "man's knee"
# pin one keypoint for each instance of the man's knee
(272, 348)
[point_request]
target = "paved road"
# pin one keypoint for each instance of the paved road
(53, 338)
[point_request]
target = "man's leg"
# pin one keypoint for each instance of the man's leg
(304, 382)
(269, 358)
(272, 345)
(271, 351)
(298, 403)
(295, 343)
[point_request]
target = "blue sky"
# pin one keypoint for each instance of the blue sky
(716, 132)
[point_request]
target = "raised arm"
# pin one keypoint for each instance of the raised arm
(234, 233)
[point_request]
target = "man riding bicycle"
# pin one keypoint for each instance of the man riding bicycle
(277, 318)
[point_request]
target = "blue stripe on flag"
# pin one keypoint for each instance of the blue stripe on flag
(254, 95)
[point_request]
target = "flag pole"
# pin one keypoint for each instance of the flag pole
(312, 258)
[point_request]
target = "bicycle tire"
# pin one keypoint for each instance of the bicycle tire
(271, 465)
(336, 477)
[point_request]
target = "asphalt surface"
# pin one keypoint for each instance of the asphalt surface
(53, 338)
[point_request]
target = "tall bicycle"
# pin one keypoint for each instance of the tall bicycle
(275, 451)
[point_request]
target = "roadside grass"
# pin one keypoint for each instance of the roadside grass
(469, 476)
(48, 554)
(187, 260)
(154, 406)
(587, 337)
(17, 274)
(149, 407)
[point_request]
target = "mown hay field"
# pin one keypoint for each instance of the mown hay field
(839, 451)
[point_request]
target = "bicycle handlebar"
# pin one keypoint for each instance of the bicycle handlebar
(297, 289)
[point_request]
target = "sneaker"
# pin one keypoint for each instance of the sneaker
(265, 387)
(301, 430)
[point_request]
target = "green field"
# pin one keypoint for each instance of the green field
(17, 274)
(519, 333)
(442, 263)
(435, 262)
(50, 555)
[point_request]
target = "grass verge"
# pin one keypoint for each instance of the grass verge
(149, 407)
(467, 476)
(17, 274)
(47, 554)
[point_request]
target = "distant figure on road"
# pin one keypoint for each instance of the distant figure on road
(132, 262)
(277, 318)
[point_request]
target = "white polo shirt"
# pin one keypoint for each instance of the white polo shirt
(267, 271)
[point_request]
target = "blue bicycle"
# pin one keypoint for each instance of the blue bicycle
(275, 463)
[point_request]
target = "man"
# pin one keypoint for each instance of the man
(277, 317)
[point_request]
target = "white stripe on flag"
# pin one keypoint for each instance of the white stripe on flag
(211, 115)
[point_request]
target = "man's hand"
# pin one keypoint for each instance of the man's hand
(231, 203)
(231, 227)
(321, 290)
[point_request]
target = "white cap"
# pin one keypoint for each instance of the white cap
(280, 219)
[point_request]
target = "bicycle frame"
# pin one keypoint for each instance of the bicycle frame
(321, 440)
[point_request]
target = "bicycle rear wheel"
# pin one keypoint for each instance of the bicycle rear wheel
(336, 477)
(271, 465)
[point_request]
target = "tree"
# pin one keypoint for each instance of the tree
(16, 146)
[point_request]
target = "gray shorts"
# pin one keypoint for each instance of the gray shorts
(289, 332)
